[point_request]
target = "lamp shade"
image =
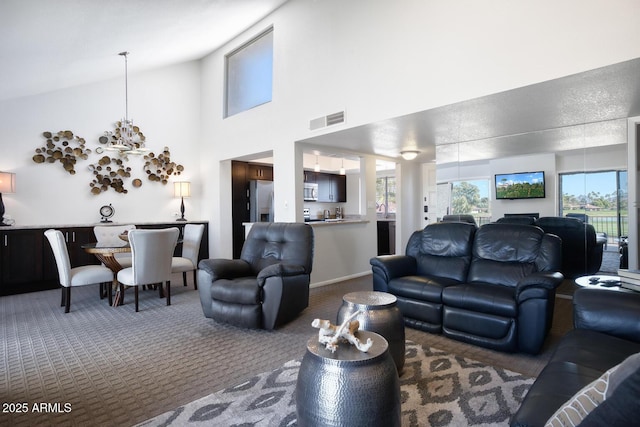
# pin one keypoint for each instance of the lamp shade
(182, 189)
(7, 182)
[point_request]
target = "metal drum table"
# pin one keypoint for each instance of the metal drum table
(348, 388)
(380, 314)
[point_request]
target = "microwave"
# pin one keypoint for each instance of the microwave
(310, 191)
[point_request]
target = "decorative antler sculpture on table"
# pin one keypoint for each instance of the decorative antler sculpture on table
(330, 334)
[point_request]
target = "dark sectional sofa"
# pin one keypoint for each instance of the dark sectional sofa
(606, 331)
(492, 286)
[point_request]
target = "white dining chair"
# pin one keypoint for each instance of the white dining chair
(152, 251)
(110, 235)
(76, 276)
(188, 261)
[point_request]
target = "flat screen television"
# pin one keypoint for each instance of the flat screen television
(520, 185)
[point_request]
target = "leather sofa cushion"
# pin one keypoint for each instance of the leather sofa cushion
(420, 288)
(244, 290)
(482, 298)
(581, 357)
(443, 249)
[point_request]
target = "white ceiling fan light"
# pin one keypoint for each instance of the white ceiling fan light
(409, 154)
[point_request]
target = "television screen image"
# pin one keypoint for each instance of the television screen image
(521, 185)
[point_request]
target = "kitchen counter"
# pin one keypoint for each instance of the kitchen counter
(323, 222)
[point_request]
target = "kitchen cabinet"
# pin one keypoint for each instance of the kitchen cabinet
(311, 177)
(257, 171)
(22, 255)
(332, 188)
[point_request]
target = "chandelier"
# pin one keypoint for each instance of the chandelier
(127, 138)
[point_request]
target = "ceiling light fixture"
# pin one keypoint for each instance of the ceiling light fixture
(127, 138)
(342, 171)
(409, 154)
(317, 166)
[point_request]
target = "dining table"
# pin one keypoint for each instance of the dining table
(106, 254)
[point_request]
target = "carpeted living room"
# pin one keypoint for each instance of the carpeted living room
(102, 365)
(113, 366)
(373, 126)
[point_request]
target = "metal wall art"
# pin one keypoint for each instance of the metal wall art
(63, 147)
(160, 168)
(108, 172)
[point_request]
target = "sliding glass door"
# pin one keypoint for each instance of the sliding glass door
(600, 198)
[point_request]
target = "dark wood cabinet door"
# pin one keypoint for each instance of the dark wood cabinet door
(262, 172)
(22, 260)
(324, 187)
(310, 176)
(76, 237)
(340, 188)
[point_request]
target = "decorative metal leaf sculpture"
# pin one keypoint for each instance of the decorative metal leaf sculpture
(159, 168)
(109, 173)
(63, 147)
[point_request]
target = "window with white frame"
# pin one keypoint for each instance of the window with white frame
(249, 74)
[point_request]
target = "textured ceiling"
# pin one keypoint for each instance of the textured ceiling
(588, 109)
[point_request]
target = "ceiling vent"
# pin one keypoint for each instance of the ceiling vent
(324, 121)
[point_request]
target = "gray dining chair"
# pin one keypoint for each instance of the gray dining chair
(188, 261)
(152, 251)
(110, 235)
(76, 276)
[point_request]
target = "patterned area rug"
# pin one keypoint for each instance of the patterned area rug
(437, 389)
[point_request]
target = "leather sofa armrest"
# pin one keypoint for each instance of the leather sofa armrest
(611, 312)
(225, 268)
(279, 270)
(545, 281)
(392, 266)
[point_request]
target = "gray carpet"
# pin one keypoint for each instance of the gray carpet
(437, 389)
(115, 367)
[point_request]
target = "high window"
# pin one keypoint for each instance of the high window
(249, 74)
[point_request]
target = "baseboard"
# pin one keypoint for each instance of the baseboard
(340, 279)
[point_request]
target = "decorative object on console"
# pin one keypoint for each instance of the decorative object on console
(7, 186)
(106, 212)
(127, 138)
(181, 189)
(64, 147)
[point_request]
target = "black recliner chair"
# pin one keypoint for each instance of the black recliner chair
(581, 251)
(268, 286)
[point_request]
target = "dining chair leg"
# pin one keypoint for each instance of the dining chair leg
(67, 298)
(168, 292)
(101, 290)
(136, 297)
(184, 278)
(195, 280)
(62, 296)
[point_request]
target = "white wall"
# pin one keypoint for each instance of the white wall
(164, 103)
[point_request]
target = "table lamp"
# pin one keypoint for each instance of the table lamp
(182, 189)
(7, 186)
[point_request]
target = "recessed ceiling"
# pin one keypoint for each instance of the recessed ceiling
(588, 109)
(48, 45)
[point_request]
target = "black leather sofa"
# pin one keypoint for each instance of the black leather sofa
(268, 286)
(606, 331)
(492, 286)
(581, 250)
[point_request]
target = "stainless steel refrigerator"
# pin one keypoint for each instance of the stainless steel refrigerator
(260, 201)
